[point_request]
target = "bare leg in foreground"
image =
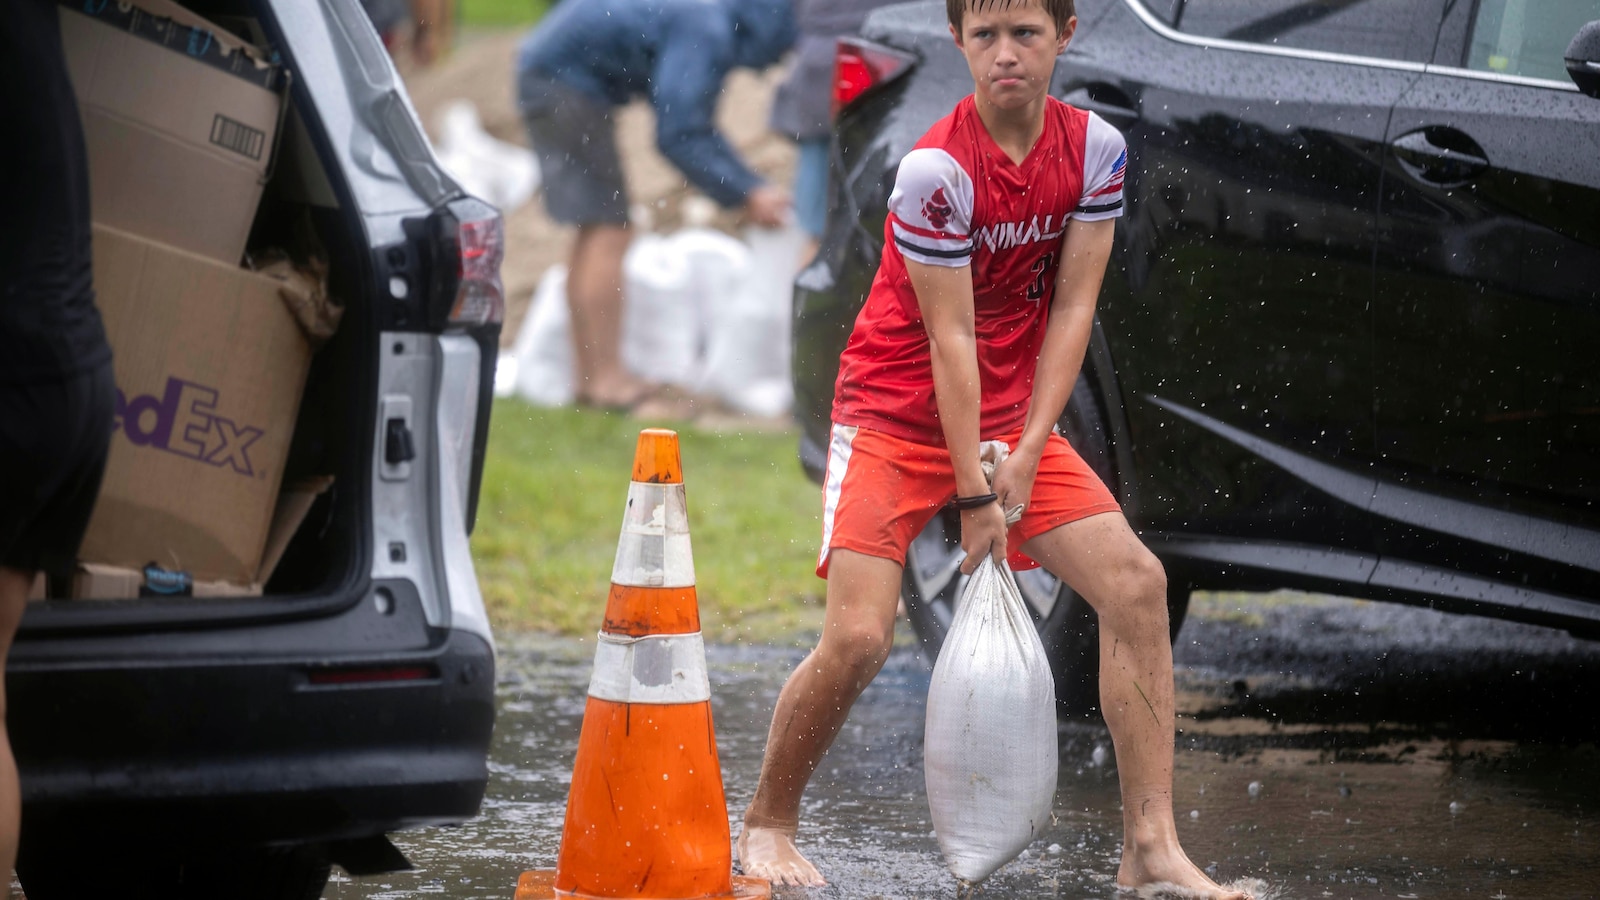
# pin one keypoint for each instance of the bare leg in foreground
(1104, 561)
(14, 585)
(857, 633)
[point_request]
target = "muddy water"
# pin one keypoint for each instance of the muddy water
(1329, 748)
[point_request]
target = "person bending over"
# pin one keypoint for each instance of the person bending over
(581, 62)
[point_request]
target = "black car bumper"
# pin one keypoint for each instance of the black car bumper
(315, 730)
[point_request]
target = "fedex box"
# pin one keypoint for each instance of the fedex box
(179, 118)
(210, 364)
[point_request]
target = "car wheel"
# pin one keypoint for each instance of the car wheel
(1067, 625)
(253, 874)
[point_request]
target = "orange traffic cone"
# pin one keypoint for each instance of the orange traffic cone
(646, 816)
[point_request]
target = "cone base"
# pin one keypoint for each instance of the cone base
(540, 884)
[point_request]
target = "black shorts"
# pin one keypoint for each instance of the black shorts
(54, 438)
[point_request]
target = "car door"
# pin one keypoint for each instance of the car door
(1487, 307)
(1238, 312)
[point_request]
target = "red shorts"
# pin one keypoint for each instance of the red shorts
(881, 491)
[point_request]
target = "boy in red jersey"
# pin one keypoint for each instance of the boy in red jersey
(998, 234)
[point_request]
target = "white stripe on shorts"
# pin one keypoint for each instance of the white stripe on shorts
(840, 446)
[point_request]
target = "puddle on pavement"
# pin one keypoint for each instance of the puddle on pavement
(1357, 753)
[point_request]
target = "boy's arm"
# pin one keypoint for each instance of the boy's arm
(1085, 249)
(944, 295)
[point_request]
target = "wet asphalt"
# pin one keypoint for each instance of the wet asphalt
(1327, 747)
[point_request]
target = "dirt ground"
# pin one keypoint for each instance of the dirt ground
(482, 69)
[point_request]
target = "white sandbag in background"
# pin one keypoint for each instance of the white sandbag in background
(989, 750)
(539, 366)
(702, 310)
(493, 170)
(661, 326)
(748, 325)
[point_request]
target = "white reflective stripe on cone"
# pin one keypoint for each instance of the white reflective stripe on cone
(655, 668)
(653, 550)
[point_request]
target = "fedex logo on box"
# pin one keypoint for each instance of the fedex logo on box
(183, 421)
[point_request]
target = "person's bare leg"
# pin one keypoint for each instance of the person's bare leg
(594, 298)
(857, 634)
(1104, 561)
(14, 585)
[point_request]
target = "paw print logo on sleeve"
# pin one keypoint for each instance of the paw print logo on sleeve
(937, 209)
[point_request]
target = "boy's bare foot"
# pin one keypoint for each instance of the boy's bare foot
(1168, 873)
(770, 853)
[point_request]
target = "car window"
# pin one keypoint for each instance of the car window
(1527, 37)
(1378, 28)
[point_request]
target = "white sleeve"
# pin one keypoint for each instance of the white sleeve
(930, 209)
(1105, 159)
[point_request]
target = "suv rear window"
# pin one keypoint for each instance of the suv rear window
(1375, 28)
(1527, 37)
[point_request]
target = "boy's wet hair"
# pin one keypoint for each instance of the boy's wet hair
(1059, 10)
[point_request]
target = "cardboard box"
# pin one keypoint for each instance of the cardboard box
(210, 364)
(96, 581)
(180, 119)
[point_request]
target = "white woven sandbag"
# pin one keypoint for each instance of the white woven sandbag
(661, 330)
(543, 349)
(747, 331)
(503, 174)
(989, 751)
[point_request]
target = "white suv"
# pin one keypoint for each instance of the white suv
(236, 747)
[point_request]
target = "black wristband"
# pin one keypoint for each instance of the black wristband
(973, 502)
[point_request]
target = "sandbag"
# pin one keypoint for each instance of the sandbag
(989, 750)
(542, 373)
(747, 329)
(505, 175)
(661, 330)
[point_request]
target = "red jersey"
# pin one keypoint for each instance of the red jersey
(958, 200)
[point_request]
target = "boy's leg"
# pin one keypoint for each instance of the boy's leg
(1104, 561)
(857, 633)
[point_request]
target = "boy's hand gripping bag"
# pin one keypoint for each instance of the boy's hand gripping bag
(989, 751)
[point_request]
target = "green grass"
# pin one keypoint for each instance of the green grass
(496, 13)
(554, 486)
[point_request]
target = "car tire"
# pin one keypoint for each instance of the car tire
(1067, 624)
(253, 874)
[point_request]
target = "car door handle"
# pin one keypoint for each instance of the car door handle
(1440, 155)
(1110, 102)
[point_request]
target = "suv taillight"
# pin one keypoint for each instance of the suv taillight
(480, 246)
(860, 65)
(464, 242)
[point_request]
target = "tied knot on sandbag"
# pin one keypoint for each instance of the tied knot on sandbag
(990, 455)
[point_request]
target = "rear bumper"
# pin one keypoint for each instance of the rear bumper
(236, 736)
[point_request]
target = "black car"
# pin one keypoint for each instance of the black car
(1349, 339)
(178, 746)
